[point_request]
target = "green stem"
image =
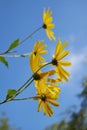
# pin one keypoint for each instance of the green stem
(27, 83)
(18, 92)
(29, 36)
(43, 66)
(20, 99)
(3, 102)
(25, 39)
(24, 86)
(16, 55)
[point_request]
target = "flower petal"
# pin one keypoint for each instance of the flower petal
(65, 63)
(40, 106)
(63, 54)
(53, 102)
(49, 26)
(49, 109)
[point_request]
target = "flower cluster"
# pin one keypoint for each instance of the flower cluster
(47, 89)
(47, 86)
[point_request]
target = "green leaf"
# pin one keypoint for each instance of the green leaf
(3, 60)
(13, 45)
(11, 93)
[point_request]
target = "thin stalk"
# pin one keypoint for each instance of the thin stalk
(6, 52)
(27, 83)
(16, 56)
(20, 99)
(25, 39)
(43, 66)
(29, 36)
(18, 92)
(23, 87)
(3, 102)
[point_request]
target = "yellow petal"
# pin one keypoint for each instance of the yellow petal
(46, 14)
(58, 48)
(34, 62)
(58, 72)
(64, 78)
(64, 71)
(42, 48)
(50, 34)
(53, 80)
(45, 109)
(40, 106)
(62, 74)
(49, 109)
(65, 63)
(63, 54)
(49, 20)
(51, 72)
(44, 74)
(49, 26)
(53, 102)
(63, 46)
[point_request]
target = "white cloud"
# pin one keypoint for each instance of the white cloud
(78, 60)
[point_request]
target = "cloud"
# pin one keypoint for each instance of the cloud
(78, 60)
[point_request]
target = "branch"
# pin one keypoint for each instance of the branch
(29, 36)
(25, 39)
(24, 86)
(16, 55)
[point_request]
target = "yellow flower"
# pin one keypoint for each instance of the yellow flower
(48, 25)
(39, 49)
(39, 76)
(36, 56)
(42, 83)
(42, 78)
(45, 98)
(59, 54)
(53, 88)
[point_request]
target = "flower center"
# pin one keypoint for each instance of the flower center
(36, 76)
(54, 62)
(44, 26)
(43, 97)
(35, 53)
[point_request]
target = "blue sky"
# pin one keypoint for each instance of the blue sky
(19, 18)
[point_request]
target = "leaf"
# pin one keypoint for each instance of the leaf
(11, 93)
(3, 60)
(13, 45)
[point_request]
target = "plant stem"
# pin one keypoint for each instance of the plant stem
(28, 82)
(19, 99)
(29, 36)
(24, 86)
(21, 89)
(16, 56)
(25, 39)
(43, 66)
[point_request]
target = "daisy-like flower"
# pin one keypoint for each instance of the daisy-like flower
(36, 64)
(38, 51)
(59, 54)
(42, 78)
(48, 25)
(45, 98)
(39, 76)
